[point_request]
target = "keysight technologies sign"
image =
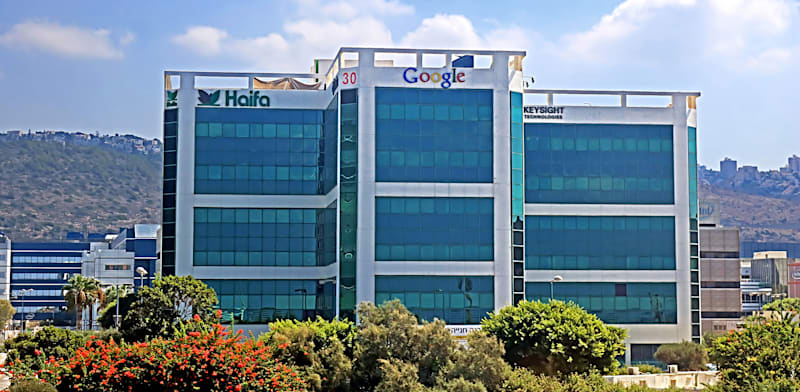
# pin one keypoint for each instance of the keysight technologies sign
(232, 98)
(542, 112)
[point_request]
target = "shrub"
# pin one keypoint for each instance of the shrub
(320, 350)
(645, 368)
(555, 337)
(783, 305)
(761, 356)
(201, 357)
(480, 360)
(31, 385)
(687, 355)
(49, 341)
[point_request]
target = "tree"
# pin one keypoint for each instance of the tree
(58, 342)
(157, 309)
(390, 332)
(555, 337)
(687, 355)
(783, 305)
(6, 312)
(762, 356)
(320, 350)
(106, 319)
(81, 292)
(481, 360)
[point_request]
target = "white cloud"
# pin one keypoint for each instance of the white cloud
(127, 39)
(343, 10)
(663, 31)
(205, 40)
(773, 60)
(71, 41)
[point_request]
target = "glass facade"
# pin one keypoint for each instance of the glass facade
(517, 197)
(434, 229)
(264, 236)
(169, 188)
(600, 242)
(263, 152)
(262, 301)
(348, 199)
(614, 303)
(433, 135)
(22, 259)
(454, 299)
(595, 163)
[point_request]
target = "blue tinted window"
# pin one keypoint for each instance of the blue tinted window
(261, 301)
(642, 303)
(264, 236)
(269, 151)
(433, 135)
(600, 242)
(427, 228)
(595, 163)
(454, 299)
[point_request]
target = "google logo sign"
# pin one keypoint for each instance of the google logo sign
(445, 78)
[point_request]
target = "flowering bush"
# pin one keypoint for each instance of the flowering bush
(201, 357)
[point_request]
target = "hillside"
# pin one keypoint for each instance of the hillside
(760, 217)
(50, 188)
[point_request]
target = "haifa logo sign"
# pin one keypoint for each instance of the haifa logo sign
(233, 98)
(172, 98)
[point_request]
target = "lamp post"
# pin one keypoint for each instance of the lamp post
(22, 294)
(142, 272)
(556, 278)
(305, 294)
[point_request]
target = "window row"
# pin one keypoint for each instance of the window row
(600, 223)
(254, 187)
(256, 258)
(605, 262)
(434, 159)
(433, 252)
(435, 112)
(435, 205)
(40, 276)
(253, 172)
(255, 215)
(41, 293)
(257, 131)
(598, 183)
(454, 299)
(260, 301)
(45, 259)
(607, 144)
(276, 116)
(614, 303)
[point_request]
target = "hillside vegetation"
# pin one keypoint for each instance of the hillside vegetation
(47, 189)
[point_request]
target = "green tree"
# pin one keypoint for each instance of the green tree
(481, 361)
(320, 350)
(157, 309)
(6, 312)
(81, 292)
(398, 376)
(390, 332)
(783, 305)
(555, 337)
(106, 319)
(687, 355)
(762, 356)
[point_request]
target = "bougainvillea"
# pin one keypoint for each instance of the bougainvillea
(201, 357)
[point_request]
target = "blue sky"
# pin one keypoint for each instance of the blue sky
(97, 65)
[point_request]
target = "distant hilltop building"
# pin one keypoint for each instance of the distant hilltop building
(127, 143)
(794, 164)
(727, 168)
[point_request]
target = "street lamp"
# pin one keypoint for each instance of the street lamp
(142, 273)
(305, 295)
(556, 278)
(22, 293)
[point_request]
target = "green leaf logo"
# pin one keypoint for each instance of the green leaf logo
(207, 99)
(172, 98)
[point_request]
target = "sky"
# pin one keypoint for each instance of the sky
(98, 65)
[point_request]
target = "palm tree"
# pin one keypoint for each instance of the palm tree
(81, 292)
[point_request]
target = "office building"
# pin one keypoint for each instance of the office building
(766, 277)
(422, 175)
(749, 248)
(720, 275)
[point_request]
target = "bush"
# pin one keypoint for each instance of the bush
(31, 385)
(687, 355)
(645, 368)
(201, 357)
(481, 360)
(49, 341)
(555, 337)
(783, 305)
(524, 380)
(320, 350)
(760, 357)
